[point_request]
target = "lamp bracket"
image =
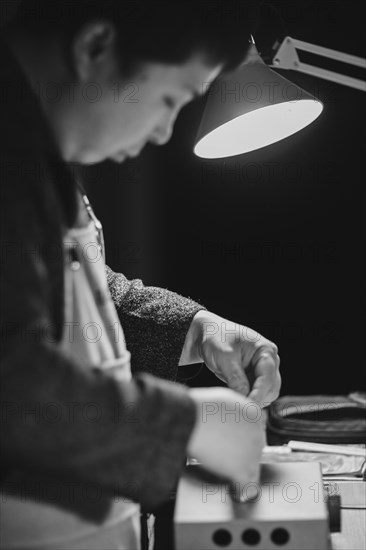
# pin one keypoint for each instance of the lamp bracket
(287, 57)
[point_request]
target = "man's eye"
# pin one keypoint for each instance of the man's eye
(169, 102)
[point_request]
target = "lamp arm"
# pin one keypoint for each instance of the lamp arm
(287, 58)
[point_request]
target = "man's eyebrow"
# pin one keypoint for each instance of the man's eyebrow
(195, 93)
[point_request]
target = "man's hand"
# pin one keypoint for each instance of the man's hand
(238, 355)
(228, 437)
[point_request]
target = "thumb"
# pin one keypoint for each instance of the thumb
(264, 382)
(247, 487)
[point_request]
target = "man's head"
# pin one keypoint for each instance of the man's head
(122, 71)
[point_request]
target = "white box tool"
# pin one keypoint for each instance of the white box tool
(288, 510)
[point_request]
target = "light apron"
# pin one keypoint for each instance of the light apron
(93, 336)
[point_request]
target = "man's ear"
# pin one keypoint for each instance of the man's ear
(93, 47)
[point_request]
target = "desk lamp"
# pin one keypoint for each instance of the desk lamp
(255, 106)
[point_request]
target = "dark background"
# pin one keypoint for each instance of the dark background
(273, 239)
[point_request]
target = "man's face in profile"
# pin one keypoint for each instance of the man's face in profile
(111, 117)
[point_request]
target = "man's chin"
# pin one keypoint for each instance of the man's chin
(88, 159)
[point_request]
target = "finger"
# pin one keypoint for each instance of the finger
(277, 387)
(220, 377)
(265, 381)
(265, 352)
(237, 379)
(259, 391)
(270, 370)
(247, 489)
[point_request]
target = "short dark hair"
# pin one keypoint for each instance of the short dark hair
(151, 30)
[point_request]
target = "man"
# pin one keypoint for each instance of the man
(168, 51)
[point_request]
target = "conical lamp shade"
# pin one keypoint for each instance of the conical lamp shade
(250, 108)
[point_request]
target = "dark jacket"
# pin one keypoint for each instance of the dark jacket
(138, 456)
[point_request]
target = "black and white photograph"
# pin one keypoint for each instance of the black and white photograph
(183, 275)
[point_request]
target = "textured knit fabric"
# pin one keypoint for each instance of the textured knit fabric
(137, 447)
(155, 323)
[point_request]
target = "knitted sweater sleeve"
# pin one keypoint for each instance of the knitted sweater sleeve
(155, 322)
